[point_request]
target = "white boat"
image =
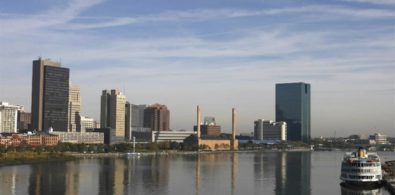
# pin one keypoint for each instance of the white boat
(361, 168)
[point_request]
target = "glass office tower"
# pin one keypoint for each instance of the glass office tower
(293, 107)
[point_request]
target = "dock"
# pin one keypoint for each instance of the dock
(389, 176)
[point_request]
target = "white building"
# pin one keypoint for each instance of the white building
(8, 117)
(269, 130)
(86, 123)
(379, 138)
(170, 136)
(78, 137)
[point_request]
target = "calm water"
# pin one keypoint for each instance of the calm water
(242, 173)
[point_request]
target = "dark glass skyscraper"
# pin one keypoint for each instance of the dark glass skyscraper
(50, 95)
(293, 107)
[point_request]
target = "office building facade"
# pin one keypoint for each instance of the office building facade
(269, 130)
(85, 124)
(157, 117)
(112, 113)
(24, 120)
(50, 95)
(293, 107)
(128, 121)
(74, 108)
(138, 115)
(8, 118)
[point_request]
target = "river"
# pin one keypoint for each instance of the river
(218, 174)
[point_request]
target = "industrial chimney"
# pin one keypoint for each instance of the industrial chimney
(233, 141)
(198, 122)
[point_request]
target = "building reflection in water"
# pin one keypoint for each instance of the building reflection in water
(111, 176)
(212, 166)
(293, 173)
(14, 180)
(234, 164)
(48, 178)
(280, 173)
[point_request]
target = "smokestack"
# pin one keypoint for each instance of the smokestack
(233, 124)
(198, 121)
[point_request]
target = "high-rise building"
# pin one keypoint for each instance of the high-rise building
(157, 117)
(8, 118)
(293, 107)
(24, 120)
(269, 130)
(112, 113)
(50, 95)
(74, 108)
(128, 121)
(138, 115)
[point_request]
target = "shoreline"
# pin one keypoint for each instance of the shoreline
(23, 158)
(170, 152)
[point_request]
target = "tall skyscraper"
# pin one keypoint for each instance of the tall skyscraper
(50, 95)
(113, 111)
(157, 117)
(74, 108)
(128, 121)
(293, 107)
(138, 115)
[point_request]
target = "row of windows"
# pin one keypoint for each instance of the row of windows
(364, 164)
(360, 177)
(357, 170)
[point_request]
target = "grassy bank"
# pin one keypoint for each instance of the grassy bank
(16, 158)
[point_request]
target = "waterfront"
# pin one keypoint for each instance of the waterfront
(221, 173)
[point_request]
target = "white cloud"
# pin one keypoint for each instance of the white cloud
(48, 18)
(379, 2)
(354, 64)
(209, 14)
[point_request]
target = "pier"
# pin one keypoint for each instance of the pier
(389, 176)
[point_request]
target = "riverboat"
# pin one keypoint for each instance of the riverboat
(361, 168)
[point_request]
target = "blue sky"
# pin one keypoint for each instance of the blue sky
(218, 54)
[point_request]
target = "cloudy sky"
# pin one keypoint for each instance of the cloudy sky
(218, 54)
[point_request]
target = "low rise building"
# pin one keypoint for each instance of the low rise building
(27, 139)
(84, 124)
(379, 138)
(170, 136)
(209, 128)
(80, 137)
(110, 136)
(269, 130)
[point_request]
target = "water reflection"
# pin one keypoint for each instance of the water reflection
(223, 173)
(291, 171)
(214, 166)
(355, 191)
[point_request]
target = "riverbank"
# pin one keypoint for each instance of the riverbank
(17, 158)
(174, 152)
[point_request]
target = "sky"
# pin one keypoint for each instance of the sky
(216, 54)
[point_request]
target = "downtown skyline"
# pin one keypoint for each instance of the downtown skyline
(214, 55)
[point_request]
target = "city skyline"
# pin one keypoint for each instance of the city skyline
(214, 54)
